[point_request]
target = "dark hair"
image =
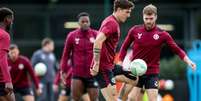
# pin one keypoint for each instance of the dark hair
(46, 41)
(150, 9)
(123, 4)
(13, 46)
(4, 12)
(82, 14)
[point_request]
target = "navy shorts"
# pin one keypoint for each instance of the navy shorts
(2, 89)
(104, 78)
(23, 91)
(66, 91)
(118, 70)
(148, 81)
(88, 82)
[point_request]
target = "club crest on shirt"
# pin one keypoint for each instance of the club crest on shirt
(21, 66)
(92, 39)
(139, 35)
(77, 40)
(156, 36)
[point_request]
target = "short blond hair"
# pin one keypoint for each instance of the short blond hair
(150, 9)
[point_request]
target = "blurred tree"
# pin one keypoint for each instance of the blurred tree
(172, 68)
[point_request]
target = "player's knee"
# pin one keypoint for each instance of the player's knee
(132, 98)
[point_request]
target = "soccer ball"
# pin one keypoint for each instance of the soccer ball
(169, 84)
(40, 69)
(138, 67)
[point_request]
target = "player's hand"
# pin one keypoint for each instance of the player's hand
(95, 69)
(9, 88)
(63, 77)
(38, 91)
(55, 88)
(193, 65)
(120, 63)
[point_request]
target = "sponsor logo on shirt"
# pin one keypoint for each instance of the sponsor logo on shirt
(139, 35)
(156, 36)
(77, 40)
(21, 66)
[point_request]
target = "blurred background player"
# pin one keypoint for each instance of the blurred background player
(65, 92)
(46, 56)
(79, 43)
(147, 41)
(6, 87)
(20, 70)
(105, 45)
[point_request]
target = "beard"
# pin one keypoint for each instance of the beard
(149, 26)
(85, 28)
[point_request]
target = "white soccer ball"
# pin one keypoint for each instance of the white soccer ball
(138, 67)
(169, 84)
(40, 69)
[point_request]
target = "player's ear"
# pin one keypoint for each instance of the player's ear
(7, 19)
(156, 17)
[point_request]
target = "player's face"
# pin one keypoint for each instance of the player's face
(14, 53)
(84, 22)
(51, 46)
(124, 14)
(149, 20)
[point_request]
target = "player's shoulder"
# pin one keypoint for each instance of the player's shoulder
(161, 31)
(38, 52)
(24, 58)
(3, 33)
(94, 31)
(137, 27)
(73, 33)
(110, 20)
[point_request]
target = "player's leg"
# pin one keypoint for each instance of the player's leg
(43, 95)
(92, 88)
(4, 96)
(77, 88)
(136, 94)
(28, 98)
(109, 92)
(152, 94)
(106, 82)
(27, 94)
(85, 97)
(151, 87)
(65, 94)
(124, 76)
(124, 91)
(50, 94)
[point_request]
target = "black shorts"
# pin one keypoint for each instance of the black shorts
(105, 78)
(23, 91)
(118, 70)
(88, 82)
(2, 89)
(148, 81)
(65, 92)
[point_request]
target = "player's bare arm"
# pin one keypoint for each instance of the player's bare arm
(189, 62)
(96, 51)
